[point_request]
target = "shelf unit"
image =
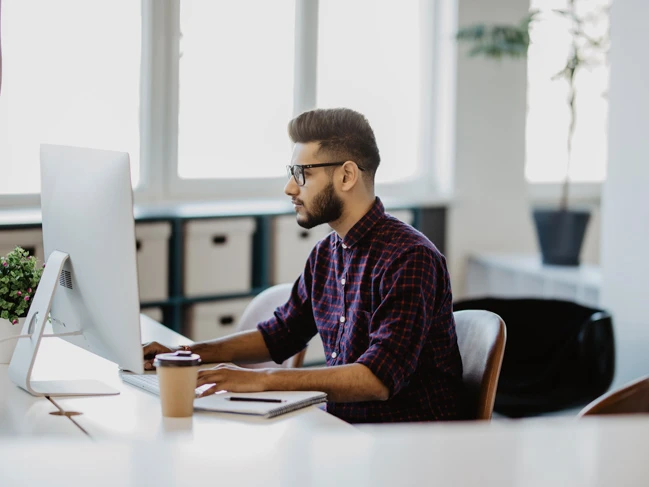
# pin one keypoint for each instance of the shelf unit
(429, 220)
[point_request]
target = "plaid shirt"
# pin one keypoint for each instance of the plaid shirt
(382, 298)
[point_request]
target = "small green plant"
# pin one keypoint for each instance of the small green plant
(498, 41)
(19, 278)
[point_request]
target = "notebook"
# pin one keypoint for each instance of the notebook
(255, 402)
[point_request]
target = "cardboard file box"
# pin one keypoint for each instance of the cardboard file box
(152, 244)
(218, 256)
(215, 319)
(154, 313)
(292, 245)
(31, 240)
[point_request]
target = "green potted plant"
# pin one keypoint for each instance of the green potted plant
(19, 278)
(560, 231)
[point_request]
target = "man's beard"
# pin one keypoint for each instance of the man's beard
(327, 207)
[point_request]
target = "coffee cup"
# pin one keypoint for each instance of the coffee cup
(177, 374)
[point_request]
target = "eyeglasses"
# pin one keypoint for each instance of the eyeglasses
(297, 170)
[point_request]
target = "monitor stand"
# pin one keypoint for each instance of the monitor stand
(22, 362)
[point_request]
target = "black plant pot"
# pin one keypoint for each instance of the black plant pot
(561, 234)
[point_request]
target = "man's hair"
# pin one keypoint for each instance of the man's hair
(343, 134)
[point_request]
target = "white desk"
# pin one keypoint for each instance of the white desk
(306, 448)
(22, 414)
(136, 414)
(527, 453)
(133, 413)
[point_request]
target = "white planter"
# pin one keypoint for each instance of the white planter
(8, 330)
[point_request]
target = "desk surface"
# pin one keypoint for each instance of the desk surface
(526, 453)
(132, 414)
(308, 447)
(22, 414)
(135, 413)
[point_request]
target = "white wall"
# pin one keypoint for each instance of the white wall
(490, 211)
(625, 205)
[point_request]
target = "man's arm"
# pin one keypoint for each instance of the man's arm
(256, 345)
(244, 347)
(396, 340)
(342, 383)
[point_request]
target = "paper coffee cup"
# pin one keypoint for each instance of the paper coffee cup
(177, 374)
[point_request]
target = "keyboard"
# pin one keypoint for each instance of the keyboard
(149, 383)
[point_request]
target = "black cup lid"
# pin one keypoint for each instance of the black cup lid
(181, 358)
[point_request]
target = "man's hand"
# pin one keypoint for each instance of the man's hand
(150, 350)
(227, 377)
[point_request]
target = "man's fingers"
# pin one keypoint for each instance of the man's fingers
(208, 392)
(151, 349)
(207, 377)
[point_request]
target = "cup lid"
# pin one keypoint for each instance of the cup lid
(181, 358)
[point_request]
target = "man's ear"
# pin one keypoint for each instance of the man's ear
(350, 175)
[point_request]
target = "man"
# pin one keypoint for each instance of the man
(376, 290)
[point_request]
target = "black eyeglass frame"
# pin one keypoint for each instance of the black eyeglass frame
(291, 171)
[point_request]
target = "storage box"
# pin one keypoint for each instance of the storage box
(31, 240)
(218, 256)
(291, 247)
(216, 319)
(152, 243)
(154, 313)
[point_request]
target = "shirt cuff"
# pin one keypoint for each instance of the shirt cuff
(384, 366)
(280, 342)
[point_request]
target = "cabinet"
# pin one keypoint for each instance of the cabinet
(525, 276)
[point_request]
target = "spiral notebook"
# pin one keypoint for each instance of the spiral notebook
(267, 404)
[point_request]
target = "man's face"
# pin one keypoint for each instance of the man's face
(316, 202)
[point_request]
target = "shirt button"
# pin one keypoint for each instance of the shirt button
(334, 355)
(343, 281)
(344, 246)
(342, 319)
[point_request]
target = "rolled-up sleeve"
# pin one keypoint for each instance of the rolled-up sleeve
(292, 324)
(399, 327)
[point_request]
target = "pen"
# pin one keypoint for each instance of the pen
(253, 399)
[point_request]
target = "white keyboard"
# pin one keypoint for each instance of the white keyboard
(149, 383)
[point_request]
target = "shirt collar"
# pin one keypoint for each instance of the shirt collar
(365, 224)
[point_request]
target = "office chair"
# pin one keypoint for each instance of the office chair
(261, 308)
(559, 354)
(481, 337)
(633, 398)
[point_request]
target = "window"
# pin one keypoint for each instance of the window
(369, 60)
(548, 109)
(203, 89)
(235, 88)
(71, 72)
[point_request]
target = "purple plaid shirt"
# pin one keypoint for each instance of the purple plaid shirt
(382, 298)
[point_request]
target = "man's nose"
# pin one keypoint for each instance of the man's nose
(291, 188)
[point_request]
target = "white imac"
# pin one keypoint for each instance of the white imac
(89, 285)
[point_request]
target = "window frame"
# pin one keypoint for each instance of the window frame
(426, 181)
(159, 103)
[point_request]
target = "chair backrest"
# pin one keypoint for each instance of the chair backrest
(261, 308)
(481, 337)
(633, 398)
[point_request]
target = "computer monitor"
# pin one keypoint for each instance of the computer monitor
(89, 285)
